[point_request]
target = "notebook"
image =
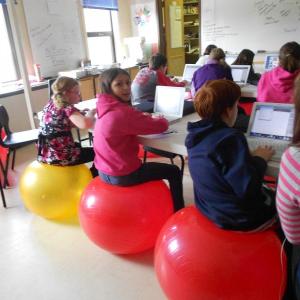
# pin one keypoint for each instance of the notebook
(271, 124)
(271, 61)
(188, 72)
(169, 102)
(240, 74)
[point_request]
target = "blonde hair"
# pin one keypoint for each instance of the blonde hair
(59, 87)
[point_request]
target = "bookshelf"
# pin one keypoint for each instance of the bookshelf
(191, 30)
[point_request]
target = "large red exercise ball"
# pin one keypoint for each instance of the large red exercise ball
(124, 220)
(196, 260)
(53, 192)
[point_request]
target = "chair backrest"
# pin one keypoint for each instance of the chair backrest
(4, 120)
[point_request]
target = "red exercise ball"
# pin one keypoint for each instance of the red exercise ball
(194, 259)
(124, 220)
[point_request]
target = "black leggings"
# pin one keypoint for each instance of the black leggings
(152, 171)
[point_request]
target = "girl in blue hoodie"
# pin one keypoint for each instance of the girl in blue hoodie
(227, 177)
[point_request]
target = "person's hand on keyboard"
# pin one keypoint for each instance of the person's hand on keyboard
(265, 152)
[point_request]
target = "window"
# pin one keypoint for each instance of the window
(102, 31)
(8, 61)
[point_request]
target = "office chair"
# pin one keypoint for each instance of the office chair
(13, 141)
(166, 154)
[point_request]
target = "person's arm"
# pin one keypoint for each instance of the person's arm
(162, 79)
(243, 172)
(83, 121)
(288, 197)
(139, 123)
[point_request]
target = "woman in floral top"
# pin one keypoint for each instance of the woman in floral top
(56, 145)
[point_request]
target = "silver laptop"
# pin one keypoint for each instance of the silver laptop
(271, 124)
(169, 102)
(240, 74)
(188, 72)
(271, 61)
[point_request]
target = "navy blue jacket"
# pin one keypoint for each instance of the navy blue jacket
(227, 179)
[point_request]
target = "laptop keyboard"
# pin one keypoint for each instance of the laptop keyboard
(279, 146)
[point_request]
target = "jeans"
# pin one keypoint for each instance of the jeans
(152, 171)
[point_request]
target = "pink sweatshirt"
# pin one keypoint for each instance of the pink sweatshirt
(276, 86)
(115, 135)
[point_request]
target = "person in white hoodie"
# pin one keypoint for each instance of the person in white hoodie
(205, 57)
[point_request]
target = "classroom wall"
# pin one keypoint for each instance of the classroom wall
(15, 105)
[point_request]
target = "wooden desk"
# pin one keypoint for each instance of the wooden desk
(174, 142)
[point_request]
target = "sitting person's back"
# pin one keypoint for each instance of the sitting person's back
(215, 68)
(246, 57)
(277, 84)
(227, 178)
(144, 85)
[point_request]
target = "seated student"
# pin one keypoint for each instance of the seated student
(55, 143)
(246, 57)
(205, 57)
(116, 138)
(277, 84)
(288, 196)
(215, 68)
(144, 85)
(227, 178)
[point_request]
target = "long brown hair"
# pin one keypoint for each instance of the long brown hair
(296, 136)
(289, 56)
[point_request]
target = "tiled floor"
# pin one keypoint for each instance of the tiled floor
(45, 260)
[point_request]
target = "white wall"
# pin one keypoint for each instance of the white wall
(15, 105)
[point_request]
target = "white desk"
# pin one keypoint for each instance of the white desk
(174, 142)
(249, 91)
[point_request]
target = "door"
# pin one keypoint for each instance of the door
(174, 37)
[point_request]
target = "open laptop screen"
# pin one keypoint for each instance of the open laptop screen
(240, 73)
(272, 121)
(271, 61)
(188, 72)
(169, 100)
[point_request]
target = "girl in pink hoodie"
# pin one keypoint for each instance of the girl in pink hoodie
(277, 84)
(116, 143)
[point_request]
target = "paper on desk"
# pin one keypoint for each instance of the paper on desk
(160, 135)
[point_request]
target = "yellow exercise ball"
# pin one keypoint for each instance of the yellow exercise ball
(53, 192)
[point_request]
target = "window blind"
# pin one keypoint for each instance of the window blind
(101, 4)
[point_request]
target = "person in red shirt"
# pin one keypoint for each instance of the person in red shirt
(144, 85)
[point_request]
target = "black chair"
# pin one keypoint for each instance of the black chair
(13, 141)
(166, 154)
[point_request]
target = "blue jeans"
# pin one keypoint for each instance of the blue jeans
(152, 171)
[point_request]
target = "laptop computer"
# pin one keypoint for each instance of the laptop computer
(271, 61)
(271, 124)
(240, 74)
(188, 72)
(169, 102)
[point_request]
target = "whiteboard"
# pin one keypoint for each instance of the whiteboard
(55, 34)
(254, 24)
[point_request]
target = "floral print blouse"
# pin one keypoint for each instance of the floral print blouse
(56, 144)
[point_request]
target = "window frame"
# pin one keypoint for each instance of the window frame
(105, 33)
(11, 41)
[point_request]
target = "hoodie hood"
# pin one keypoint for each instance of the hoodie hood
(199, 130)
(107, 103)
(282, 80)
